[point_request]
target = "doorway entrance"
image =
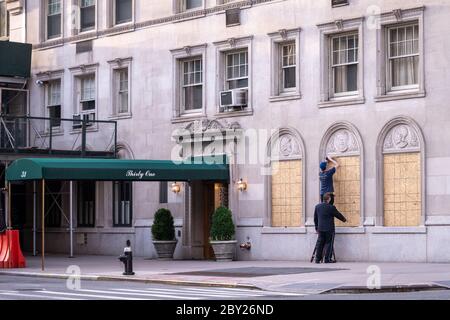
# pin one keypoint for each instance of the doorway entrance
(215, 195)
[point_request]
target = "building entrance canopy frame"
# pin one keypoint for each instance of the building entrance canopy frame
(82, 169)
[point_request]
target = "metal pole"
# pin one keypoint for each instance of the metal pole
(71, 219)
(83, 138)
(34, 218)
(115, 139)
(6, 196)
(9, 206)
(43, 226)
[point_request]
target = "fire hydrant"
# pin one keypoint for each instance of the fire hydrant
(127, 259)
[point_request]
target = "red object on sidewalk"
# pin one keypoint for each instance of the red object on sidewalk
(10, 253)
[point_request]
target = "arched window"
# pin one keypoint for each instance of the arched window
(286, 187)
(343, 142)
(402, 163)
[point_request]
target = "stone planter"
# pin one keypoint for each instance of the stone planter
(165, 249)
(224, 250)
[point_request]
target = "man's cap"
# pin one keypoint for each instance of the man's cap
(323, 166)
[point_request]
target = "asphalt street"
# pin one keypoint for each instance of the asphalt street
(34, 288)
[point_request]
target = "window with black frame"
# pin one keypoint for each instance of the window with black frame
(54, 102)
(87, 15)
(86, 204)
(53, 19)
(123, 11)
(122, 203)
(53, 204)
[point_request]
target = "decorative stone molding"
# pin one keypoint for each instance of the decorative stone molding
(401, 134)
(285, 144)
(283, 34)
(342, 142)
(341, 139)
(204, 125)
(339, 24)
(145, 24)
(401, 138)
(398, 14)
(49, 74)
(232, 42)
(286, 147)
(14, 7)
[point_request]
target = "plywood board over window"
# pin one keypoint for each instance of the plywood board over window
(347, 187)
(402, 191)
(343, 143)
(287, 193)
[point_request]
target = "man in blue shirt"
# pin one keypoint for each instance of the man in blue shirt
(326, 178)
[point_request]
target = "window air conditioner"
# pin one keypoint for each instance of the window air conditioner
(233, 98)
(76, 124)
(88, 119)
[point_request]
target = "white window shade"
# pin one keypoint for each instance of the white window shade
(404, 56)
(237, 70)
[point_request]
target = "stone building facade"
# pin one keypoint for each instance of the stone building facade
(365, 82)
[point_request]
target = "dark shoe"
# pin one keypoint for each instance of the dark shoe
(318, 262)
(331, 261)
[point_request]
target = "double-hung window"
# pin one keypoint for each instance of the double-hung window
(54, 102)
(122, 104)
(236, 70)
(87, 15)
(4, 17)
(123, 11)
(288, 66)
(190, 4)
(344, 64)
(88, 92)
(404, 57)
(53, 19)
(192, 84)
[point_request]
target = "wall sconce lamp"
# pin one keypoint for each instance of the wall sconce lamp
(242, 186)
(176, 188)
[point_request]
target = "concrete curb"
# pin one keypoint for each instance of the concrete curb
(129, 279)
(387, 289)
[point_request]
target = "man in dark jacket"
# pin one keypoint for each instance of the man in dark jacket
(324, 215)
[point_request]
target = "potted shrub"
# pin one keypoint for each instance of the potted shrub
(222, 234)
(163, 231)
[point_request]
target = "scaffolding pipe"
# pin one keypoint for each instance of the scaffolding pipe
(43, 227)
(9, 227)
(34, 217)
(71, 219)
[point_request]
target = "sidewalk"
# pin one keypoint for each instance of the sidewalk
(286, 276)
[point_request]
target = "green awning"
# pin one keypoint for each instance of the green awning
(117, 170)
(15, 59)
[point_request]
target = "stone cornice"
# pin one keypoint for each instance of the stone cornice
(150, 23)
(49, 73)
